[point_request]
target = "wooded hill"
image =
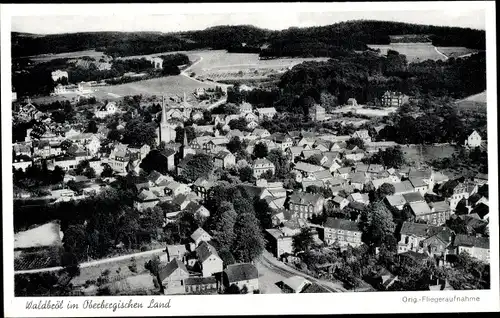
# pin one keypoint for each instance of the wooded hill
(312, 41)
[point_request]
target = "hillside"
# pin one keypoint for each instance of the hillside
(312, 41)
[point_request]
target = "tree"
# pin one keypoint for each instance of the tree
(281, 163)
(92, 127)
(356, 141)
(303, 241)
(115, 135)
(264, 212)
(57, 175)
(260, 150)
(107, 171)
(246, 174)
(385, 189)
(223, 225)
(268, 175)
(249, 241)
(155, 160)
(199, 165)
(234, 145)
(139, 133)
(314, 160)
(376, 222)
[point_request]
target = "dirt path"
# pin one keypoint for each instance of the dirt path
(440, 53)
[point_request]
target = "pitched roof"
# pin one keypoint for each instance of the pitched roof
(417, 182)
(338, 199)
(168, 269)
(420, 230)
(307, 167)
(323, 174)
(199, 233)
(176, 250)
(342, 224)
(241, 272)
(413, 197)
(395, 200)
(403, 186)
(305, 198)
(440, 206)
(356, 205)
(358, 177)
(204, 251)
(263, 162)
(420, 208)
(465, 240)
(200, 280)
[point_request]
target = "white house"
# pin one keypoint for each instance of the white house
(106, 110)
(474, 140)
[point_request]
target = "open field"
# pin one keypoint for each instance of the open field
(163, 85)
(429, 152)
(48, 234)
(47, 57)
(360, 110)
(456, 51)
(415, 52)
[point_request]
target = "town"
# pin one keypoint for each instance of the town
(310, 184)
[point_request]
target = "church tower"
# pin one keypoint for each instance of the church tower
(186, 148)
(166, 132)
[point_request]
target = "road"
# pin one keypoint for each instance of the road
(93, 263)
(440, 53)
(275, 271)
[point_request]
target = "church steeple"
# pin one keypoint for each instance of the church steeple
(185, 143)
(163, 112)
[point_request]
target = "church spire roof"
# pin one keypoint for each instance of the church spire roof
(185, 139)
(163, 112)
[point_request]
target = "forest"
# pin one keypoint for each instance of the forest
(327, 40)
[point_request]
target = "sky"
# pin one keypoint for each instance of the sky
(140, 21)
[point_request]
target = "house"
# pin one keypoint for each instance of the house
(279, 241)
(462, 191)
(343, 172)
(295, 284)
(420, 210)
(172, 277)
(146, 199)
(200, 235)
(481, 179)
(393, 99)
(478, 247)
(209, 261)
(396, 201)
(317, 113)
(243, 275)
(305, 205)
(267, 112)
(106, 110)
(362, 134)
(294, 152)
(359, 197)
(198, 284)
(175, 188)
(358, 180)
(440, 212)
(246, 108)
(352, 102)
(306, 141)
(345, 232)
(413, 197)
(59, 75)
(262, 165)
(197, 209)
(339, 202)
(354, 154)
(282, 141)
(224, 160)
(376, 183)
(306, 170)
(252, 125)
(251, 117)
(174, 252)
(474, 140)
(413, 234)
(419, 185)
(324, 176)
(260, 133)
(403, 187)
(202, 185)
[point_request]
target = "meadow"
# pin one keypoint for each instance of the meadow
(455, 51)
(45, 235)
(48, 57)
(429, 152)
(415, 52)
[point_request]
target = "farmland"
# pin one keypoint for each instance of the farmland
(415, 52)
(456, 51)
(48, 57)
(171, 84)
(45, 235)
(360, 110)
(429, 152)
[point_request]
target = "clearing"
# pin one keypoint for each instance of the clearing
(456, 51)
(429, 152)
(415, 52)
(177, 85)
(362, 110)
(48, 57)
(48, 234)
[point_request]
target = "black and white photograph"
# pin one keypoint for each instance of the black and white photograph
(185, 150)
